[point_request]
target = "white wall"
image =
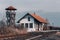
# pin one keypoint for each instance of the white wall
(25, 20)
(41, 25)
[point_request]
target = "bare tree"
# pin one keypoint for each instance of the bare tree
(2, 23)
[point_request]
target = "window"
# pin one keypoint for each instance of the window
(28, 18)
(31, 25)
(26, 25)
(22, 25)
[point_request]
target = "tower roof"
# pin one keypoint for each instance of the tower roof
(10, 8)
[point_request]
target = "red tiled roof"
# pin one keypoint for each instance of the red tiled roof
(40, 19)
(10, 8)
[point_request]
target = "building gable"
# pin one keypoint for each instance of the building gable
(38, 18)
(27, 19)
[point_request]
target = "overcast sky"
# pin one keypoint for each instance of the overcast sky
(24, 5)
(28, 5)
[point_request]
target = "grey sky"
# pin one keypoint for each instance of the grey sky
(24, 5)
(28, 5)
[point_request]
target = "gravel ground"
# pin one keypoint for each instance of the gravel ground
(51, 37)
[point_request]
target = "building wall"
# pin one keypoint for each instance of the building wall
(38, 25)
(25, 20)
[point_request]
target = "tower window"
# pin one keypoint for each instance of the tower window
(28, 18)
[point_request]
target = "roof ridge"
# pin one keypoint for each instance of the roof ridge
(39, 18)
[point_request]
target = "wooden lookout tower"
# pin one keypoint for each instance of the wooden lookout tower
(10, 15)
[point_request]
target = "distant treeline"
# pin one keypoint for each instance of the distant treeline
(54, 28)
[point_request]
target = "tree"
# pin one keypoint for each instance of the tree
(2, 23)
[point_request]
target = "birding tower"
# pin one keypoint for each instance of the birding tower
(10, 15)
